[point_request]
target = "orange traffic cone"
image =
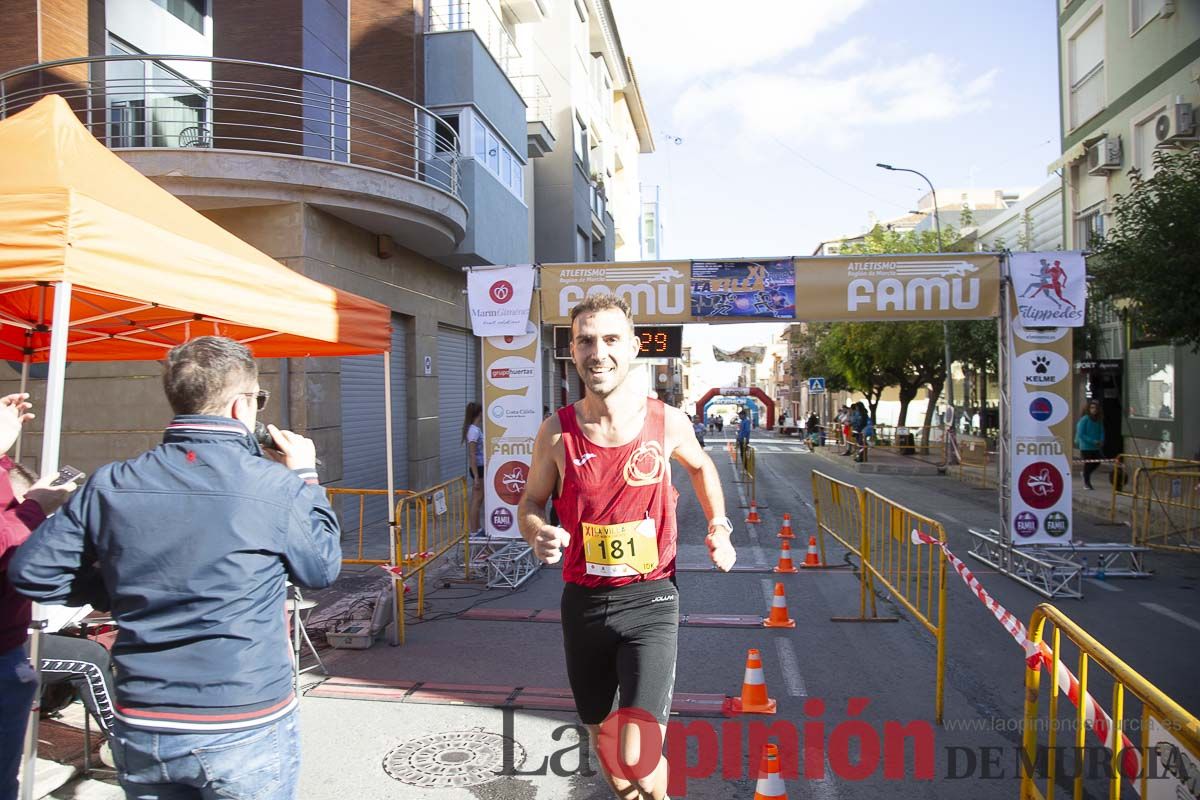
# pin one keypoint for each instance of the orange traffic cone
(811, 559)
(785, 531)
(779, 611)
(754, 698)
(785, 558)
(770, 785)
(754, 517)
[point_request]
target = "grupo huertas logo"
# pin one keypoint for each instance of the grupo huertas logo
(1047, 408)
(511, 373)
(1042, 368)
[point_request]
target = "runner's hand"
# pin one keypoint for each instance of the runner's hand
(549, 544)
(721, 551)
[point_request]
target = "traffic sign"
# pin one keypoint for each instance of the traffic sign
(816, 386)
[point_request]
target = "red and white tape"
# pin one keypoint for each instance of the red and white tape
(1040, 655)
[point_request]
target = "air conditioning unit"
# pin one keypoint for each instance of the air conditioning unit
(1104, 156)
(1177, 125)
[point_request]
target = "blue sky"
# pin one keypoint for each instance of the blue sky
(784, 107)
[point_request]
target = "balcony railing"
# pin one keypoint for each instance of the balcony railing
(478, 16)
(157, 101)
(536, 96)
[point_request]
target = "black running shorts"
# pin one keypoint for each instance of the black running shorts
(621, 639)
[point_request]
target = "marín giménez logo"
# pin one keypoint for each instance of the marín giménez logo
(501, 292)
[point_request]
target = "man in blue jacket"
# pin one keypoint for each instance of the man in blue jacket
(190, 546)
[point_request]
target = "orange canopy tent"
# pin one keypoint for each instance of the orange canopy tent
(146, 271)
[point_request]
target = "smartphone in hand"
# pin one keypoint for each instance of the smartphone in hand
(66, 474)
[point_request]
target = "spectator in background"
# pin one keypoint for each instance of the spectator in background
(698, 427)
(1089, 438)
(17, 518)
(472, 434)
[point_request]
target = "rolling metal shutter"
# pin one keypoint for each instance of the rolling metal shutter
(458, 384)
(364, 452)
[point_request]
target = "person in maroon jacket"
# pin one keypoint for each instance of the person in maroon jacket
(17, 518)
(606, 461)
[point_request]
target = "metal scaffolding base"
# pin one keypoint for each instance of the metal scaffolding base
(1104, 559)
(505, 562)
(1047, 573)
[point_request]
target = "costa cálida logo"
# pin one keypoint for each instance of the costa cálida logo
(645, 465)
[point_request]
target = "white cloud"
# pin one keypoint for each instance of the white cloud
(675, 40)
(824, 102)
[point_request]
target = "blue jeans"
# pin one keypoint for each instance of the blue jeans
(258, 764)
(17, 686)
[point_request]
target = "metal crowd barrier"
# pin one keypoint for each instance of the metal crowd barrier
(1165, 513)
(915, 575)
(1169, 748)
(429, 524)
(1125, 469)
(973, 455)
(367, 506)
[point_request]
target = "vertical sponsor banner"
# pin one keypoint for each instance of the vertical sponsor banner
(512, 413)
(1040, 434)
(743, 289)
(499, 298)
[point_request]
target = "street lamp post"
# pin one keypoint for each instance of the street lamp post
(937, 222)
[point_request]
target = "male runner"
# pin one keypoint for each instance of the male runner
(604, 459)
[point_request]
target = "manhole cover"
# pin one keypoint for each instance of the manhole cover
(458, 758)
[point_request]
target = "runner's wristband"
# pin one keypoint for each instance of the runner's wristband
(720, 522)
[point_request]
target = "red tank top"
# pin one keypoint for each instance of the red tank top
(611, 496)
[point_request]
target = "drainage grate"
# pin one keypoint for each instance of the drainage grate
(457, 758)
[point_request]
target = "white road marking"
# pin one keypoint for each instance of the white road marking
(768, 587)
(791, 668)
(1105, 585)
(1175, 615)
(953, 519)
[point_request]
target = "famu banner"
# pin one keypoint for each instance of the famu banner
(512, 412)
(657, 291)
(897, 287)
(1040, 434)
(1051, 288)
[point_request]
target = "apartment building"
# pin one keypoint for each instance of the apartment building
(1128, 76)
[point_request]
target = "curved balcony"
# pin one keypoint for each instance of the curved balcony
(221, 132)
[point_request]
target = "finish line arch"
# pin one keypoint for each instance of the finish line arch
(739, 391)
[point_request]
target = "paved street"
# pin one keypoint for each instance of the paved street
(1149, 623)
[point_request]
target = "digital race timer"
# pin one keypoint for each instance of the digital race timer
(660, 341)
(657, 341)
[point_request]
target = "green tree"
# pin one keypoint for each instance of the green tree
(1150, 259)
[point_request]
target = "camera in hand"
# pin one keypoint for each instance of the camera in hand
(266, 441)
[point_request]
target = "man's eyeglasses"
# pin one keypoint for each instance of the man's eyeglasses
(260, 398)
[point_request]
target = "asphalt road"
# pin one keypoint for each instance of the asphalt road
(827, 677)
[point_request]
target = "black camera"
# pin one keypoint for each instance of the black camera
(267, 442)
(264, 438)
